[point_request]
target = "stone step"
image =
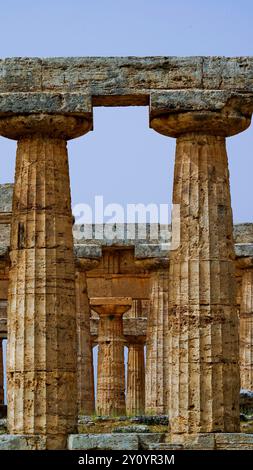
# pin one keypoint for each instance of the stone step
(115, 441)
(165, 446)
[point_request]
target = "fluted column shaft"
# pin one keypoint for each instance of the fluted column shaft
(111, 372)
(246, 330)
(41, 350)
(156, 387)
(203, 324)
(1, 373)
(85, 374)
(135, 400)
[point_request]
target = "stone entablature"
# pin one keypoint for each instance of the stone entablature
(74, 85)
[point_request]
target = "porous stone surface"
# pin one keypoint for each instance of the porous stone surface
(22, 442)
(203, 369)
(3, 424)
(85, 374)
(244, 249)
(246, 401)
(6, 193)
(151, 420)
(135, 393)
(243, 233)
(111, 373)
(103, 442)
(165, 446)
(156, 386)
(246, 326)
(150, 439)
(116, 81)
(201, 441)
(137, 428)
(1, 374)
(233, 441)
(41, 359)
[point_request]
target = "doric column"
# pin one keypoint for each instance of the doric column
(111, 371)
(246, 324)
(1, 373)
(156, 374)
(203, 323)
(41, 355)
(85, 373)
(156, 387)
(135, 398)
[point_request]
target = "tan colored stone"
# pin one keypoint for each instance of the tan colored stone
(1, 374)
(135, 395)
(41, 355)
(85, 374)
(203, 322)
(111, 373)
(246, 329)
(157, 348)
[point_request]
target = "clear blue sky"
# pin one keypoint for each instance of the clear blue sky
(122, 159)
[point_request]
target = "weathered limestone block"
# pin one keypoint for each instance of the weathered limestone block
(156, 395)
(203, 323)
(103, 442)
(41, 355)
(136, 428)
(149, 439)
(111, 373)
(233, 441)
(85, 374)
(34, 84)
(135, 397)
(246, 325)
(22, 442)
(199, 441)
(1, 373)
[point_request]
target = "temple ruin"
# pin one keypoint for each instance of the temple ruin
(184, 310)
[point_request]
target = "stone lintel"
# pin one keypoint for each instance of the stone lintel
(121, 77)
(178, 101)
(76, 104)
(243, 250)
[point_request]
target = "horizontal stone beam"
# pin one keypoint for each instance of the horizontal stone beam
(244, 250)
(199, 100)
(47, 85)
(44, 102)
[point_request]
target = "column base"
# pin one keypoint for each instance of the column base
(134, 441)
(212, 441)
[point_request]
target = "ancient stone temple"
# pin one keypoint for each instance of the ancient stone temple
(169, 316)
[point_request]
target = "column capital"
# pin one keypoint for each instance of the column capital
(111, 305)
(213, 112)
(47, 125)
(86, 264)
